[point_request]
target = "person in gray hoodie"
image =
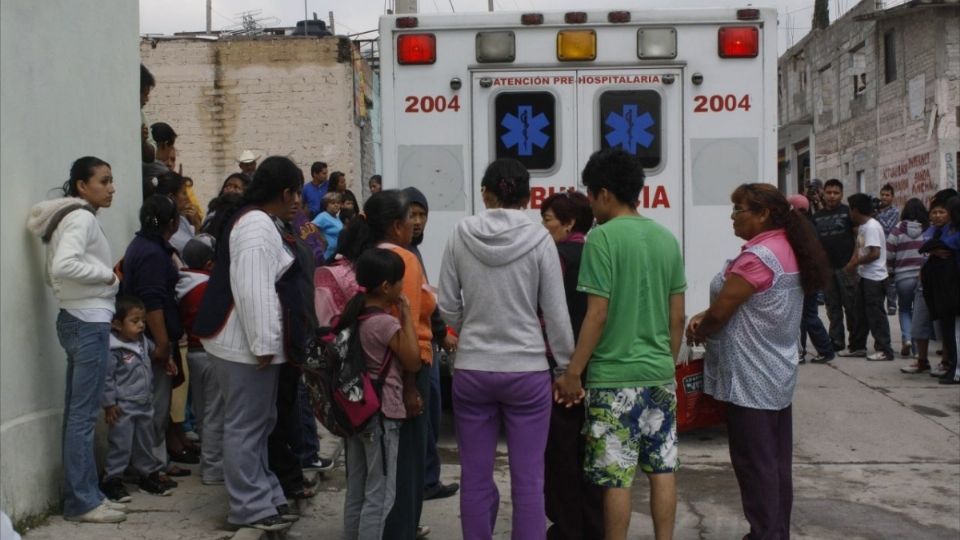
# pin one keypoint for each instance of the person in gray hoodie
(498, 268)
(128, 404)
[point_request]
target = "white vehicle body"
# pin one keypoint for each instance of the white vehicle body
(716, 126)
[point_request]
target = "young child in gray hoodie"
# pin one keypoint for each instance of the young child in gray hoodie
(128, 404)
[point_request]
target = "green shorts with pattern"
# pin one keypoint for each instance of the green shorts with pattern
(627, 427)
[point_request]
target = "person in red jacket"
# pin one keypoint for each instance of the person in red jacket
(207, 400)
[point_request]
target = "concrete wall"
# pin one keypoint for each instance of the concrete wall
(874, 135)
(69, 88)
(274, 95)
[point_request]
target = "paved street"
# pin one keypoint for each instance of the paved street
(877, 456)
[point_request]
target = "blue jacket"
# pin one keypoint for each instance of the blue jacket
(150, 275)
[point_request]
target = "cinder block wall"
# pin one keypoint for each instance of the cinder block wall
(279, 95)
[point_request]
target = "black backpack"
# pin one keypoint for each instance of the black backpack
(941, 282)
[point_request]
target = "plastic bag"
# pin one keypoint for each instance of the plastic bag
(695, 409)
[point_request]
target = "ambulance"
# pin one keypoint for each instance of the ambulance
(691, 92)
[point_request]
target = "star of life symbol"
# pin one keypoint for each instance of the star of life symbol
(525, 130)
(629, 129)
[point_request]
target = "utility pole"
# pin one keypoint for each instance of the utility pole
(332, 28)
(209, 17)
(490, 6)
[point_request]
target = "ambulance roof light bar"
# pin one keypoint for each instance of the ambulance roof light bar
(748, 14)
(575, 17)
(414, 49)
(738, 42)
(618, 17)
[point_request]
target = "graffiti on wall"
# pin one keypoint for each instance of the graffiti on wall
(910, 177)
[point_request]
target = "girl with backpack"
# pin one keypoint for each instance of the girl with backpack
(79, 268)
(384, 339)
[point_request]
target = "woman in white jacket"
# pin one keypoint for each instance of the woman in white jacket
(79, 268)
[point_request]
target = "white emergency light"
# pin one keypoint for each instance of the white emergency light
(496, 47)
(656, 43)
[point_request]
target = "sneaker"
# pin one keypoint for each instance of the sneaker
(906, 349)
(119, 507)
(440, 491)
(948, 380)
(918, 366)
(880, 357)
(855, 353)
(100, 514)
(321, 464)
(151, 484)
(822, 358)
(423, 531)
(287, 514)
(113, 489)
(167, 482)
(939, 371)
(270, 523)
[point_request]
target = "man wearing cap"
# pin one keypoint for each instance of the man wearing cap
(248, 162)
(810, 323)
(433, 487)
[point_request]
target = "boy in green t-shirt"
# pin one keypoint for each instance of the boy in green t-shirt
(632, 272)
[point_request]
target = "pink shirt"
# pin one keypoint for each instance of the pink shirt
(751, 268)
(375, 335)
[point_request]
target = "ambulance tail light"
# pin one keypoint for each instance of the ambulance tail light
(656, 43)
(415, 49)
(738, 42)
(748, 14)
(574, 45)
(407, 22)
(531, 19)
(575, 17)
(618, 17)
(496, 47)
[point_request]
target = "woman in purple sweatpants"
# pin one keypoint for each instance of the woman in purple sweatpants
(498, 267)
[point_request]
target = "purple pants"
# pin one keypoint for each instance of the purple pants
(522, 401)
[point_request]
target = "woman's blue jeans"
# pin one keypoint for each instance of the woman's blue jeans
(906, 288)
(88, 350)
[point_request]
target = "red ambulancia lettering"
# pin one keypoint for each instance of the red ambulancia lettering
(659, 200)
(539, 194)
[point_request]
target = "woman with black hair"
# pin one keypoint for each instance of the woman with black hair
(904, 261)
(498, 268)
(150, 274)
(79, 268)
(251, 320)
(174, 186)
(387, 225)
(756, 303)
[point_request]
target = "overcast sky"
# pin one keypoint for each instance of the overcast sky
(353, 16)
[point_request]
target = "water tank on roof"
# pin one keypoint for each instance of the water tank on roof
(312, 27)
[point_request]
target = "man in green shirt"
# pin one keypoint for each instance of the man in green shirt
(632, 272)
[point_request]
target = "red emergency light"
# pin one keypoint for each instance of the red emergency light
(575, 17)
(407, 22)
(416, 49)
(529, 19)
(618, 17)
(738, 42)
(748, 14)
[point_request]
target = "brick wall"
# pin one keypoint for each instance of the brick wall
(874, 131)
(286, 96)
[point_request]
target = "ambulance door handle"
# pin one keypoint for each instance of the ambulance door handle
(486, 82)
(667, 78)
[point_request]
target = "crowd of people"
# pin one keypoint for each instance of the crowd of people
(566, 334)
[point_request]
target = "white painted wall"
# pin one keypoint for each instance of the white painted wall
(69, 88)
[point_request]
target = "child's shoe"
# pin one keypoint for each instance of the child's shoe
(151, 484)
(114, 490)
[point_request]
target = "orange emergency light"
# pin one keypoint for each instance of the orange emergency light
(573, 45)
